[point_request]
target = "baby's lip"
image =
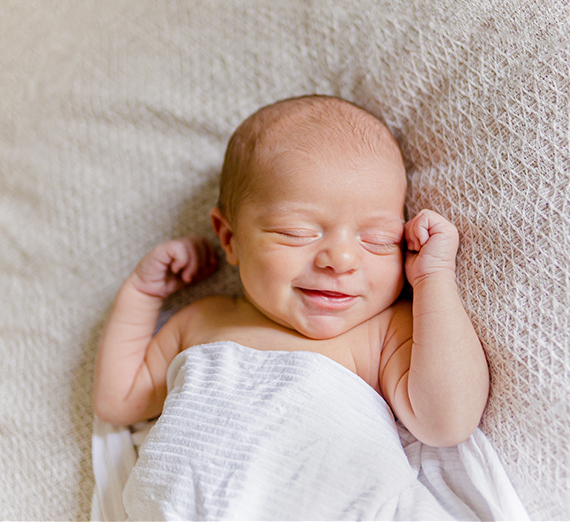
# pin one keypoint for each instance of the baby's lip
(328, 301)
(330, 294)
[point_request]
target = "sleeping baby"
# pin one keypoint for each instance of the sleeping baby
(280, 404)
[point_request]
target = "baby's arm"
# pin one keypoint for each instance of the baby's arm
(131, 367)
(433, 371)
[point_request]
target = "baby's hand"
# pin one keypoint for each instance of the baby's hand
(174, 264)
(432, 245)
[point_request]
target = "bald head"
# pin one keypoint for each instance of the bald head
(312, 126)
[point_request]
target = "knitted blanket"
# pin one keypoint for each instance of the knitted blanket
(113, 121)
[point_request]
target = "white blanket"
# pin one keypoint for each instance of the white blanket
(250, 435)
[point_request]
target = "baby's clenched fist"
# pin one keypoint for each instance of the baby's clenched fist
(174, 264)
(432, 243)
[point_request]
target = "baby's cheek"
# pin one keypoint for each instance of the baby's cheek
(389, 280)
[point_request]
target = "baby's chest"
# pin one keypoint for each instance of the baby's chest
(275, 339)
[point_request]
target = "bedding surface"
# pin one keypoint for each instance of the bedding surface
(257, 435)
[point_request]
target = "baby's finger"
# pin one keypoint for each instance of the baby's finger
(421, 229)
(198, 258)
(192, 261)
(418, 230)
(188, 273)
(179, 257)
(412, 241)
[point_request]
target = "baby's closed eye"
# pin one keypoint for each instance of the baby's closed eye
(296, 236)
(379, 244)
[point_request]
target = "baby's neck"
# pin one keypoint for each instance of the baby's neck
(223, 318)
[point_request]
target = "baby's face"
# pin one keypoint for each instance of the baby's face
(319, 242)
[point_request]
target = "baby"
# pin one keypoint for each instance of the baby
(311, 211)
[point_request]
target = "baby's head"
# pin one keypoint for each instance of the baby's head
(311, 209)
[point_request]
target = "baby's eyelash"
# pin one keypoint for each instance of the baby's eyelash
(297, 233)
(380, 246)
(297, 236)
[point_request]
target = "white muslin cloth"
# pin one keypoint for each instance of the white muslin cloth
(271, 435)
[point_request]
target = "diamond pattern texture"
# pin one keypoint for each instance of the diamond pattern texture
(113, 121)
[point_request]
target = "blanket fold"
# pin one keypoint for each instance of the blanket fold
(255, 435)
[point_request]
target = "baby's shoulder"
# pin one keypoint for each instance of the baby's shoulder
(202, 319)
(214, 302)
(208, 308)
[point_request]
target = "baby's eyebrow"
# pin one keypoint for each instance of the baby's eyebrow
(304, 210)
(388, 220)
(289, 210)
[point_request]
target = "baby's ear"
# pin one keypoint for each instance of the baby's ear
(225, 233)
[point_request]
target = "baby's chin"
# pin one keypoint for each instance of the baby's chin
(317, 328)
(328, 328)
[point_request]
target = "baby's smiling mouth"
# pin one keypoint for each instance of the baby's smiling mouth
(326, 300)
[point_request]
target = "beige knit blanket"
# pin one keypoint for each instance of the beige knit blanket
(113, 121)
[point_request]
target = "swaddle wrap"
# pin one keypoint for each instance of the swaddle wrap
(250, 435)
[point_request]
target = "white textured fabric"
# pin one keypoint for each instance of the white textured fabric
(114, 456)
(471, 474)
(113, 121)
(257, 435)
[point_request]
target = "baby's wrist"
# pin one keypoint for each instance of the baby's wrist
(437, 294)
(137, 284)
(443, 276)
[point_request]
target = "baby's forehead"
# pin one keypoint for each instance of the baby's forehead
(326, 125)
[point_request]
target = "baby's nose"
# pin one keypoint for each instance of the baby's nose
(341, 255)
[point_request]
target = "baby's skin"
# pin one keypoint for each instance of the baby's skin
(323, 252)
